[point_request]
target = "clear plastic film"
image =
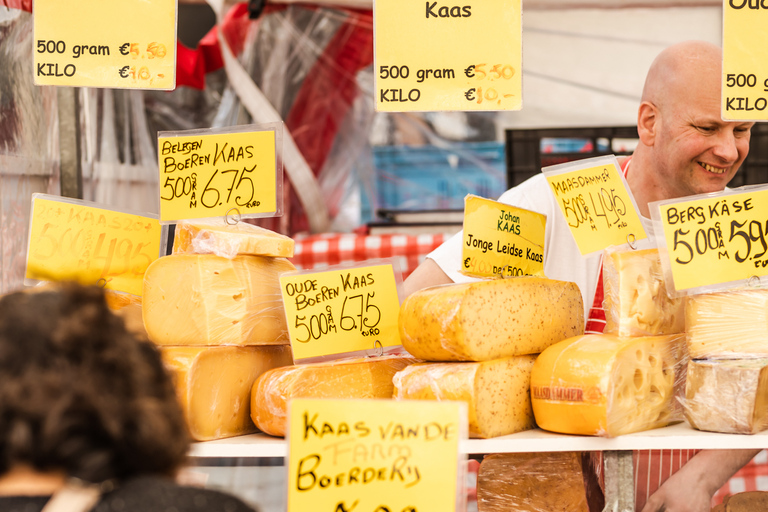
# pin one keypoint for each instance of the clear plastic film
(204, 299)
(214, 385)
(490, 319)
(606, 385)
(127, 307)
(343, 378)
(225, 239)
(497, 392)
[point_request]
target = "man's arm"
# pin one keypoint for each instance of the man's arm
(427, 274)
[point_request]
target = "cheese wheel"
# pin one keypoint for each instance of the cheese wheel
(214, 385)
(727, 395)
(229, 240)
(203, 299)
(608, 386)
(497, 392)
(348, 378)
(490, 319)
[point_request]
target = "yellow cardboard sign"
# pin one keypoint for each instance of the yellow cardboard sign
(745, 61)
(596, 204)
(343, 310)
(125, 44)
(72, 241)
(374, 455)
(502, 240)
(210, 175)
(719, 238)
(438, 56)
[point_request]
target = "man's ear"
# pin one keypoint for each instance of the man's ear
(647, 119)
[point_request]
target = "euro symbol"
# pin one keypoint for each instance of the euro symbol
(466, 263)
(470, 71)
(124, 71)
(470, 94)
(124, 48)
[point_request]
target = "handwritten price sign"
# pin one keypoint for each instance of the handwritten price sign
(374, 455)
(127, 44)
(596, 203)
(205, 174)
(72, 241)
(341, 311)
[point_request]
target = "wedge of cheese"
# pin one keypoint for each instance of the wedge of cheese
(727, 395)
(127, 307)
(608, 386)
(349, 378)
(203, 299)
(214, 385)
(497, 392)
(636, 301)
(728, 324)
(229, 240)
(490, 319)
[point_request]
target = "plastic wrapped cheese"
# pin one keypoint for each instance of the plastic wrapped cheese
(636, 301)
(497, 392)
(727, 395)
(127, 307)
(727, 324)
(490, 319)
(607, 385)
(203, 299)
(229, 240)
(345, 378)
(214, 385)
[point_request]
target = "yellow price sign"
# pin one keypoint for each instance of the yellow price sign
(342, 310)
(437, 56)
(71, 240)
(595, 200)
(205, 174)
(125, 44)
(375, 455)
(745, 61)
(500, 239)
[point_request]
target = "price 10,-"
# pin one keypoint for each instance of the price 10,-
(357, 312)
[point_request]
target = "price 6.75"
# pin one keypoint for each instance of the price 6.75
(368, 315)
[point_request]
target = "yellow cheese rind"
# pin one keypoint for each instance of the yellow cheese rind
(728, 396)
(203, 299)
(490, 319)
(607, 385)
(349, 378)
(497, 392)
(214, 385)
(729, 324)
(636, 301)
(229, 240)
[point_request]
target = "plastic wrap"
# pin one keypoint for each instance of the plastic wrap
(728, 324)
(490, 319)
(229, 240)
(606, 385)
(127, 307)
(636, 301)
(750, 501)
(497, 392)
(214, 385)
(727, 395)
(204, 299)
(344, 378)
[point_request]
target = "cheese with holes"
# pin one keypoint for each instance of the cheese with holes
(728, 324)
(608, 386)
(636, 301)
(203, 299)
(229, 240)
(497, 392)
(727, 395)
(214, 385)
(346, 378)
(490, 319)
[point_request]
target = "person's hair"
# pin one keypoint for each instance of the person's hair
(79, 394)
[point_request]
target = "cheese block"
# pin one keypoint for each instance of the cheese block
(127, 307)
(490, 319)
(607, 385)
(636, 301)
(497, 392)
(727, 395)
(229, 240)
(727, 324)
(346, 378)
(214, 385)
(203, 299)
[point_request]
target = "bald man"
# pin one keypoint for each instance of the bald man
(685, 148)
